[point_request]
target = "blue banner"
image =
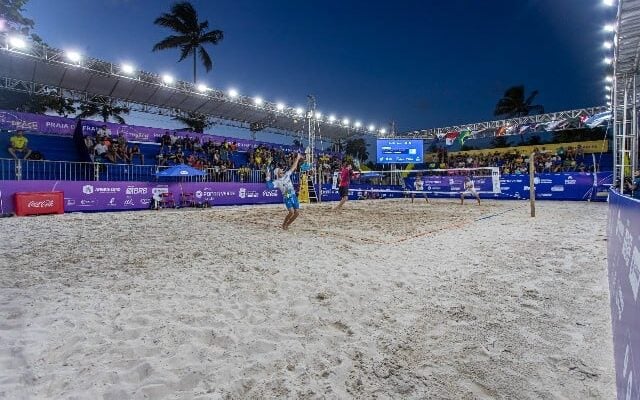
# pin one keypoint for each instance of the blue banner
(623, 257)
(559, 186)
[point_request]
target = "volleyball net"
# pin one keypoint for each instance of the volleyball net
(436, 181)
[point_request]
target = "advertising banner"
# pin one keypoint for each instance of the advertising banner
(592, 146)
(112, 196)
(623, 257)
(52, 125)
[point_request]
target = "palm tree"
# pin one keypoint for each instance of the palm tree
(41, 104)
(192, 34)
(11, 10)
(513, 104)
(108, 110)
(196, 122)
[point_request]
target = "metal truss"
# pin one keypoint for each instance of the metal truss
(530, 119)
(37, 89)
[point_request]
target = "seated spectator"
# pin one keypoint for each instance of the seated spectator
(165, 140)
(121, 140)
(100, 150)
(135, 151)
(103, 132)
(18, 143)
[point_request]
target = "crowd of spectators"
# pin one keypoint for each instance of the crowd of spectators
(103, 147)
(513, 162)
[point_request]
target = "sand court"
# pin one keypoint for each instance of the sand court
(385, 299)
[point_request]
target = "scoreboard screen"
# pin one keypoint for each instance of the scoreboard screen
(399, 151)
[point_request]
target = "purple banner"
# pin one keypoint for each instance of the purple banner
(111, 196)
(13, 120)
(623, 255)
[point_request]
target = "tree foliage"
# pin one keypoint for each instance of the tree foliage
(110, 110)
(513, 103)
(357, 148)
(195, 122)
(191, 34)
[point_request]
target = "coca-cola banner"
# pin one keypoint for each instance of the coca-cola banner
(13, 120)
(112, 196)
(34, 203)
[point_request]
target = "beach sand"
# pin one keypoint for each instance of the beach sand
(386, 299)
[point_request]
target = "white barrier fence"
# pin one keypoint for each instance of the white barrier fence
(11, 169)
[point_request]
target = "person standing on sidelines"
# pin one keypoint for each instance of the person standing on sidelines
(418, 186)
(284, 184)
(343, 185)
(469, 189)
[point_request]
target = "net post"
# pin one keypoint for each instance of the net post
(532, 186)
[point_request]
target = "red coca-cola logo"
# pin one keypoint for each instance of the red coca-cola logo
(40, 204)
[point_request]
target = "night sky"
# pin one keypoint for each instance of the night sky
(420, 63)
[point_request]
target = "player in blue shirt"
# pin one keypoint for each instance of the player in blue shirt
(284, 184)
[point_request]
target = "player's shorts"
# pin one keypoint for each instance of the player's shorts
(471, 192)
(344, 191)
(291, 201)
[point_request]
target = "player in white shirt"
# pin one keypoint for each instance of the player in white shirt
(418, 186)
(469, 189)
(284, 184)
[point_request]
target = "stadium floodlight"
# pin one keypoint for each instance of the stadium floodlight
(202, 88)
(332, 118)
(345, 121)
(608, 97)
(233, 93)
(358, 124)
(318, 115)
(607, 45)
(372, 128)
(383, 131)
(607, 88)
(17, 42)
(609, 28)
(609, 78)
(607, 60)
(280, 106)
(299, 110)
(167, 79)
(608, 3)
(127, 69)
(258, 101)
(608, 104)
(74, 56)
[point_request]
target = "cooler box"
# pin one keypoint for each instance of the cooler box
(36, 203)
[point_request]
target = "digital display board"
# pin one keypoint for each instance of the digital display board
(399, 151)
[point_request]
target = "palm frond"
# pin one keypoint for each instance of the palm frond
(205, 58)
(187, 14)
(213, 37)
(171, 42)
(171, 22)
(531, 97)
(186, 50)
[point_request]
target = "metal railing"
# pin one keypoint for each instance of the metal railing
(11, 169)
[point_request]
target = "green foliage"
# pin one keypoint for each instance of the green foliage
(12, 10)
(513, 103)
(191, 34)
(195, 122)
(110, 110)
(357, 148)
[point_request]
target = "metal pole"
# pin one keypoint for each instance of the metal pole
(634, 129)
(614, 110)
(623, 150)
(532, 186)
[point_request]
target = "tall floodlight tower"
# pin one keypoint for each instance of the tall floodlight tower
(313, 128)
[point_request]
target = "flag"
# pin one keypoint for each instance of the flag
(464, 135)
(598, 119)
(451, 137)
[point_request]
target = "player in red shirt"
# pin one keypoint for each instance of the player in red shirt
(343, 186)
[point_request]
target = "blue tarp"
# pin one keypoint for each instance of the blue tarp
(180, 171)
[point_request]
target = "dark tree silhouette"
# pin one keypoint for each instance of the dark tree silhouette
(195, 122)
(191, 35)
(105, 111)
(513, 103)
(357, 148)
(41, 104)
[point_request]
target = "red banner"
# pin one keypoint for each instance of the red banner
(36, 203)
